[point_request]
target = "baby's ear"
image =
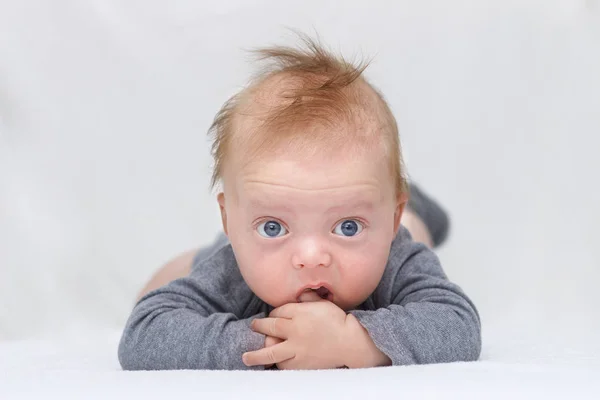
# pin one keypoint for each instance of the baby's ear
(221, 200)
(401, 201)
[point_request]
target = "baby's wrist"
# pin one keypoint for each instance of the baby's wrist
(360, 351)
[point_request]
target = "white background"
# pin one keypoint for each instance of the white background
(104, 159)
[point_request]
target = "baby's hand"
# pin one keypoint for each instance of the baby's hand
(312, 333)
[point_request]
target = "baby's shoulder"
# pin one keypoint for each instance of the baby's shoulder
(404, 249)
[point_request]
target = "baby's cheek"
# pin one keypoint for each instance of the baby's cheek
(362, 275)
(268, 280)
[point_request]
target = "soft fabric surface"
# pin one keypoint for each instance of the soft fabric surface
(86, 367)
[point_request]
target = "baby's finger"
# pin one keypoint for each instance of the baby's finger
(286, 311)
(308, 297)
(269, 355)
(272, 341)
(276, 327)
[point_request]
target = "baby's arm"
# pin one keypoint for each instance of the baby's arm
(178, 267)
(191, 323)
(428, 320)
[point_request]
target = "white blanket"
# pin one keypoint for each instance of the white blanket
(87, 367)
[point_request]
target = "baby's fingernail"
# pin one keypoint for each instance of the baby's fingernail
(245, 359)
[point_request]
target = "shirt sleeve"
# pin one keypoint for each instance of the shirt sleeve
(421, 317)
(191, 323)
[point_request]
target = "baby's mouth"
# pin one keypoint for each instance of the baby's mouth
(315, 294)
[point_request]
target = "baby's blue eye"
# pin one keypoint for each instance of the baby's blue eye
(271, 229)
(348, 227)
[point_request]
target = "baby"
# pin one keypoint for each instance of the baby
(316, 270)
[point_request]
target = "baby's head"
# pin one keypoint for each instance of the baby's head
(313, 186)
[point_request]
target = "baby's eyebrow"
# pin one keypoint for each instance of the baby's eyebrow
(359, 204)
(271, 205)
(362, 204)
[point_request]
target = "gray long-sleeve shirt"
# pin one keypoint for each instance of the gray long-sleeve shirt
(202, 321)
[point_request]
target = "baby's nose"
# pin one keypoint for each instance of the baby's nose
(311, 255)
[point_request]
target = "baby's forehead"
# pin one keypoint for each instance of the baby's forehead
(319, 173)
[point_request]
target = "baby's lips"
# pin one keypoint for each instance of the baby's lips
(309, 296)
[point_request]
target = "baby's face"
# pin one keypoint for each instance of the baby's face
(326, 223)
